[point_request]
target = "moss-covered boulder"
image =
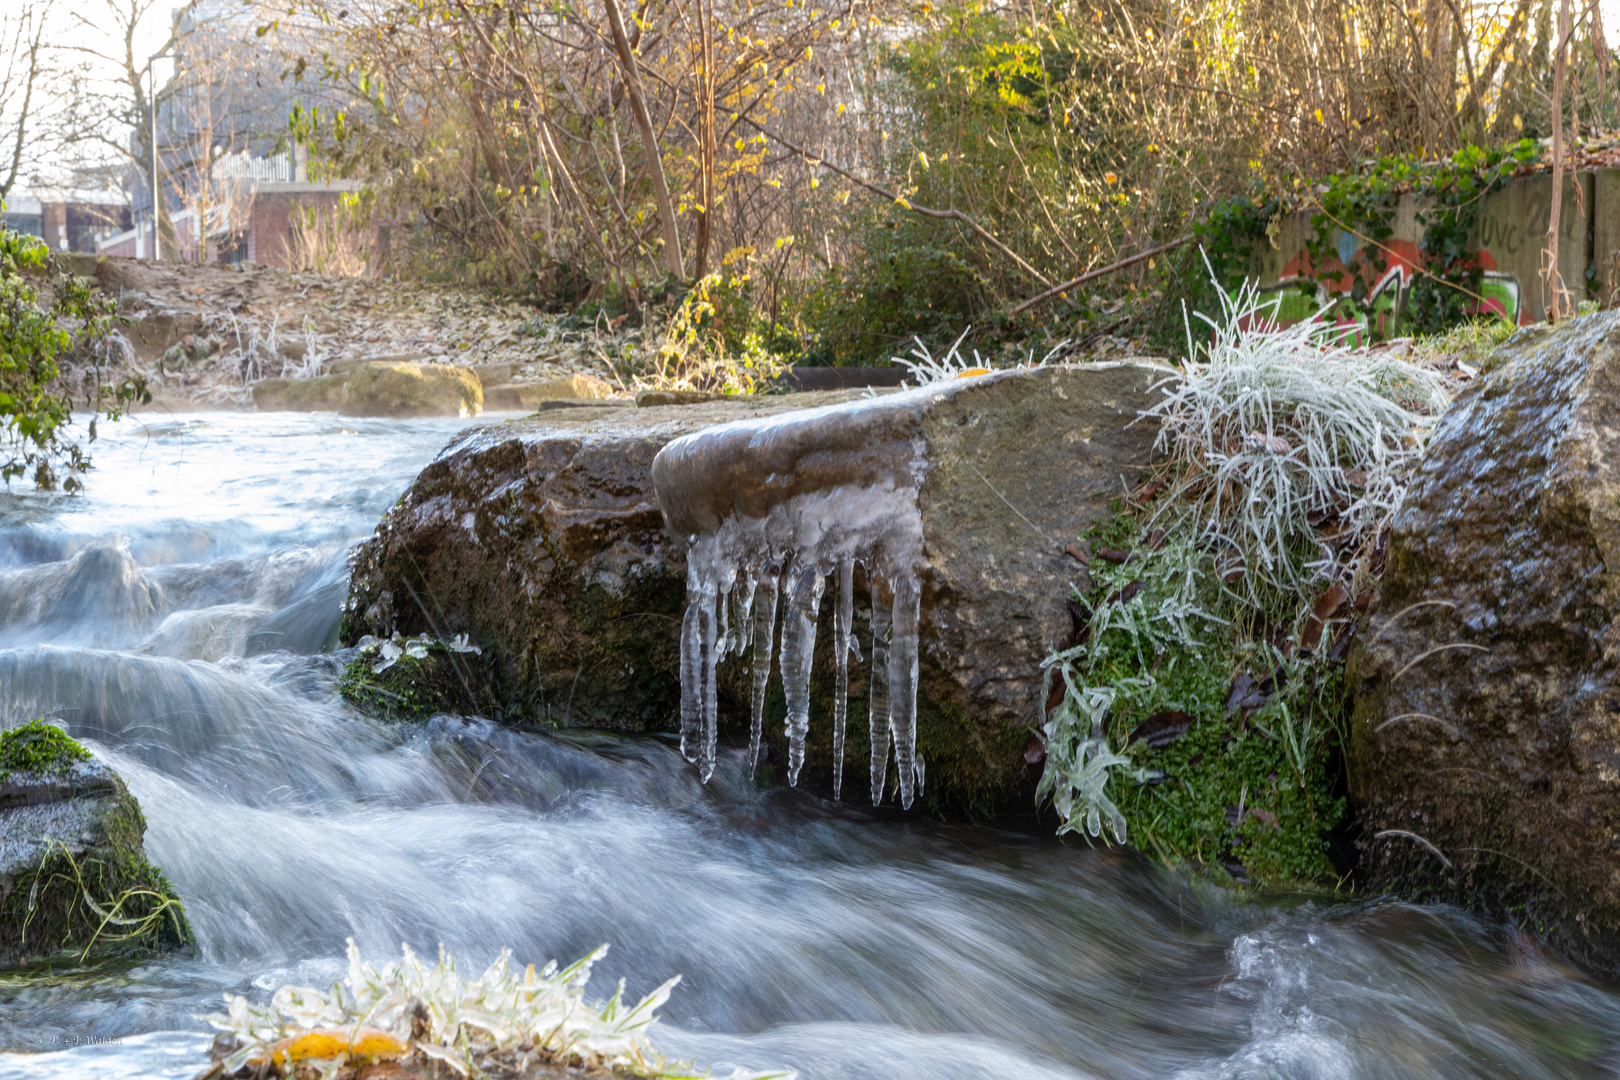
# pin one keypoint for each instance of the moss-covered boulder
(73, 873)
(322, 394)
(405, 389)
(541, 539)
(513, 397)
(1485, 744)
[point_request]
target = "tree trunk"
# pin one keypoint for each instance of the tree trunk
(705, 222)
(1552, 287)
(649, 140)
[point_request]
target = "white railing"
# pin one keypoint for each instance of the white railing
(276, 169)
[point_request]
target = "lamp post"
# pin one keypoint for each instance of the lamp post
(157, 243)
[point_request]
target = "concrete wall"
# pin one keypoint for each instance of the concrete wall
(1509, 234)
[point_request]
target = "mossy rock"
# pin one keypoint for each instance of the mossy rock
(1483, 752)
(404, 390)
(323, 394)
(415, 687)
(74, 878)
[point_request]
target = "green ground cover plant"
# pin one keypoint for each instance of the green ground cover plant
(1199, 710)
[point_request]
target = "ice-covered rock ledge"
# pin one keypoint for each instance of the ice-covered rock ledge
(965, 491)
(543, 541)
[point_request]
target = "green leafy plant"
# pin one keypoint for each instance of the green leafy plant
(712, 341)
(34, 411)
(1360, 205)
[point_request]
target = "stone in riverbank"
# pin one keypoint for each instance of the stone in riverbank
(412, 390)
(397, 389)
(71, 857)
(1488, 688)
(541, 540)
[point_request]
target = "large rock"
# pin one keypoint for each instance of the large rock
(1487, 714)
(378, 388)
(412, 390)
(542, 540)
(512, 397)
(70, 842)
(321, 394)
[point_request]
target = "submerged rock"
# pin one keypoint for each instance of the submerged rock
(542, 540)
(73, 872)
(1485, 749)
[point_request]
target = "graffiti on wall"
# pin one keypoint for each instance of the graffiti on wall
(1304, 291)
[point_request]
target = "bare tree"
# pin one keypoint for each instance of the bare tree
(109, 108)
(24, 67)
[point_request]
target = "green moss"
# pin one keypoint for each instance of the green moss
(1251, 792)
(415, 688)
(38, 747)
(1278, 768)
(99, 904)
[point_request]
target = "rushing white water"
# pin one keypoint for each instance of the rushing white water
(844, 943)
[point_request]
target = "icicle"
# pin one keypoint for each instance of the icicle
(798, 653)
(764, 631)
(708, 656)
(880, 694)
(768, 507)
(843, 618)
(742, 596)
(903, 682)
(691, 681)
(722, 636)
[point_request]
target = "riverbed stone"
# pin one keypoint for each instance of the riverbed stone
(70, 828)
(509, 397)
(406, 389)
(541, 539)
(321, 394)
(1485, 740)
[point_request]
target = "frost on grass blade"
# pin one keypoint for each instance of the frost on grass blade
(500, 1021)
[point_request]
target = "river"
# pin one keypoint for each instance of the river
(846, 944)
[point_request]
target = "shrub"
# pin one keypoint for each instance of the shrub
(35, 411)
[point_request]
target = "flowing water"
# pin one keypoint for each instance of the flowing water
(179, 617)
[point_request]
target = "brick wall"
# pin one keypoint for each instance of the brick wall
(270, 225)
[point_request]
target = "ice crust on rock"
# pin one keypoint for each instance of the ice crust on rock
(771, 509)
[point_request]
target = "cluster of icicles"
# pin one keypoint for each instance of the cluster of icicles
(731, 607)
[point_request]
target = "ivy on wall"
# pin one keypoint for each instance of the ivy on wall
(1362, 205)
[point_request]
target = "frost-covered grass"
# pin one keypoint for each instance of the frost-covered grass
(926, 368)
(501, 1021)
(1279, 430)
(1225, 585)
